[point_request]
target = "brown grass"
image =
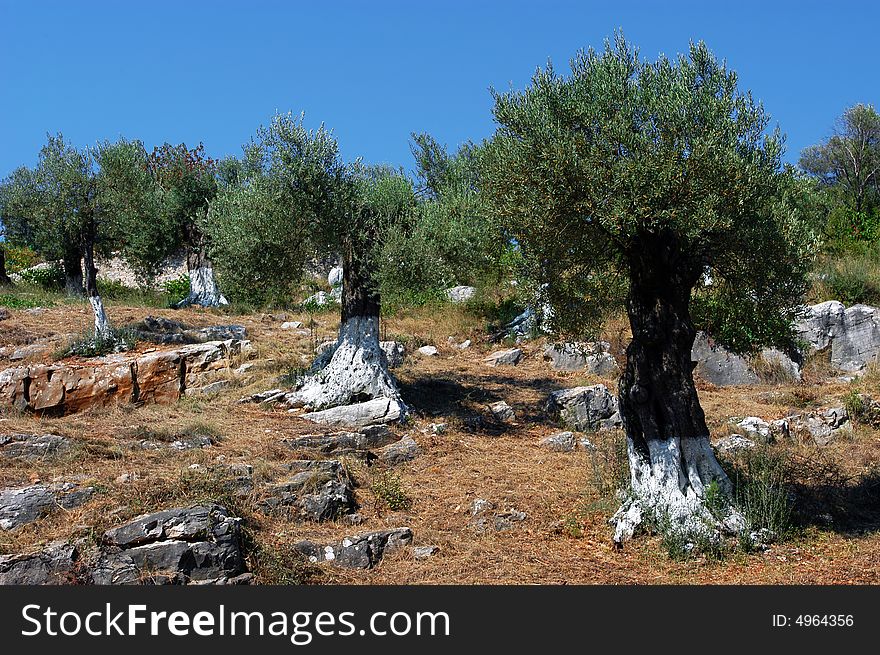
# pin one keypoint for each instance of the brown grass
(565, 538)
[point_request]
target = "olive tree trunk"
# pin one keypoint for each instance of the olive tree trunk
(356, 368)
(672, 463)
(203, 287)
(102, 324)
(73, 271)
(5, 280)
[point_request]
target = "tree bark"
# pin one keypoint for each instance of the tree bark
(203, 287)
(356, 369)
(671, 459)
(5, 280)
(73, 271)
(102, 324)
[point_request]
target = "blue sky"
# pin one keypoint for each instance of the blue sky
(190, 71)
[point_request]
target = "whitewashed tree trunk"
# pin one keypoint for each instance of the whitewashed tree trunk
(356, 371)
(102, 324)
(203, 288)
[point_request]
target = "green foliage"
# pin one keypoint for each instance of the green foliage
(851, 278)
(761, 494)
(594, 172)
(388, 489)
(90, 344)
(18, 301)
(19, 258)
(48, 278)
(176, 289)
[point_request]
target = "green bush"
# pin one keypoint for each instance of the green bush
(19, 258)
(176, 289)
(852, 278)
(14, 301)
(387, 488)
(761, 492)
(90, 344)
(49, 278)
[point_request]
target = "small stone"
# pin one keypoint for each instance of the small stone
(424, 552)
(734, 443)
(428, 351)
(291, 325)
(481, 505)
(562, 442)
(509, 357)
(401, 451)
(464, 345)
(438, 428)
(502, 411)
(127, 478)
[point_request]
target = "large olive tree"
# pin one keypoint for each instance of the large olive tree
(638, 177)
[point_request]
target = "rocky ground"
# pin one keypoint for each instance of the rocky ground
(504, 473)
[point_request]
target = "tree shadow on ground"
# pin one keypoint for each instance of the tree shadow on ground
(845, 506)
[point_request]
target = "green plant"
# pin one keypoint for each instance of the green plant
(761, 493)
(15, 301)
(387, 488)
(49, 277)
(176, 289)
(90, 344)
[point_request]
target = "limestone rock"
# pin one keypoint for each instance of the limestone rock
(358, 552)
(372, 436)
(563, 442)
(510, 357)
(502, 411)
(322, 492)
(734, 443)
(585, 409)
(596, 358)
(719, 366)
(201, 543)
(428, 351)
(56, 564)
(370, 412)
(460, 294)
(404, 450)
(32, 446)
(852, 333)
(25, 504)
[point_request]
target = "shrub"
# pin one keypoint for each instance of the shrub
(852, 278)
(761, 493)
(177, 289)
(49, 277)
(90, 344)
(387, 489)
(19, 258)
(14, 301)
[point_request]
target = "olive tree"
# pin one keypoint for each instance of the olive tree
(294, 195)
(635, 177)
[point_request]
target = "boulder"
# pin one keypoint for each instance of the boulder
(320, 299)
(56, 564)
(404, 450)
(394, 352)
(510, 357)
(595, 358)
(334, 277)
(201, 544)
(585, 409)
(358, 552)
(756, 429)
(502, 411)
(719, 366)
(322, 492)
(852, 333)
(368, 437)
(823, 428)
(25, 504)
(358, 415)
(460, 294)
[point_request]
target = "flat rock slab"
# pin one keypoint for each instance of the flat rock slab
(55, 565)
(371, 412)
(32, 446)
(595, 358)
(25, 504)
(373, 436)
(359, 552)
(199, 544)
(509, 357)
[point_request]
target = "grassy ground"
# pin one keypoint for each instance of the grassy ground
(567, 497)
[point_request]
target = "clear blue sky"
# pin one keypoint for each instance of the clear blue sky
(212, 71)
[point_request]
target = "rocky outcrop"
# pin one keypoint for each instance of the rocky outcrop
(721, 367)
(366, 438)
(404, 450)
(25, 504)
(198, 544)
(315, 490)
(585, 409)
(853, 333)
(359, 552)
(595, 358)
(54, 565)
(157, 329)
(153, 377)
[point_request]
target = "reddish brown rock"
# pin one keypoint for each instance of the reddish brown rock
(159, 377)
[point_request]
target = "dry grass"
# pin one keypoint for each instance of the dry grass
(565, 538)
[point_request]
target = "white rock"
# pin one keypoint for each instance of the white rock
(460, 294)
(509, 357)
(428, 351)
(291, 325)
